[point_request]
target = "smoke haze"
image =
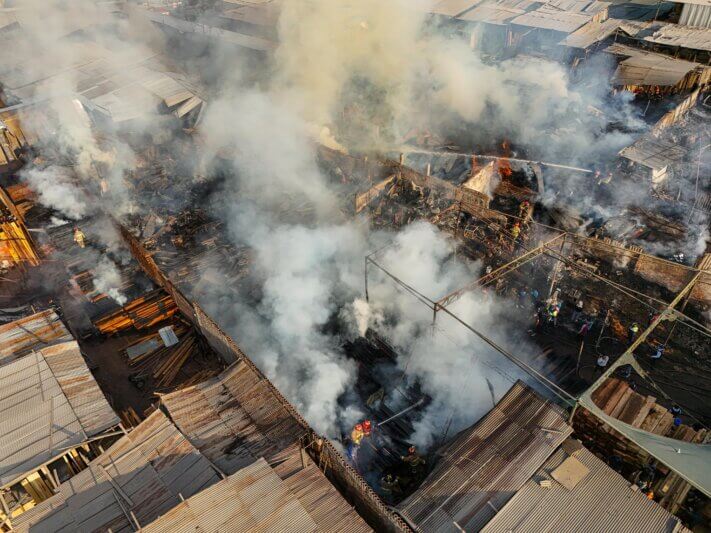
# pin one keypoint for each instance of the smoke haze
(359, 74)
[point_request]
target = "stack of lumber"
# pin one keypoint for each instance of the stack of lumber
(142, 313)
(617, 399)
(164, 363)
(167, 369)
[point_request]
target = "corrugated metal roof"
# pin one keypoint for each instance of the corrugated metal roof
(648, 68)
(599, 500)
(122, 86)
(230, 37)
(591, 33)
(453, 8)
(498, 13)
(33, 332)
(549, 18)
(483, 466)
(667, 34)
(654, 153)
(253, 499)
(143, 473)
(235, 418)
(49, 402)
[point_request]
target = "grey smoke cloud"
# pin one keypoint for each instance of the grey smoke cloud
(308, 263)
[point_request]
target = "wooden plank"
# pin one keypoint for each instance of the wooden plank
(631, 409)
(623, 401)
(649, 402)
(601, 395)
(653, 418)
(615, 397)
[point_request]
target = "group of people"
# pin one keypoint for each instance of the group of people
(408, 474)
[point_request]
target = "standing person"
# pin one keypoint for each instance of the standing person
(632, 331)
(601, 364)
(584, 329)
(658, 353)
(578, 311)
(79, 237)
(516, 231)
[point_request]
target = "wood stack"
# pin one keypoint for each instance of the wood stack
(164, 363)
(142, 313)
(167, 370)
(617, 399)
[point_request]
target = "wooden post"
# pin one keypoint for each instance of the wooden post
(580, 353)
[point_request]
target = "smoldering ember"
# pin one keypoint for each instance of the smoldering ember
(355, 265)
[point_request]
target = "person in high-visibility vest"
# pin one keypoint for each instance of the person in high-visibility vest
(634, 329)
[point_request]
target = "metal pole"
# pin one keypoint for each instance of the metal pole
(560, 264)
(396, 415)
(604, 323)
(580, 353)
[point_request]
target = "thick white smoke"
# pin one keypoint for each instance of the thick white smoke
(107, 279)
(357, 73)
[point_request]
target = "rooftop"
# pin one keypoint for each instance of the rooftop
(584, 495)
(33, 332)
(141, 477)
(50, 402)
(235, 418)
(484, 466)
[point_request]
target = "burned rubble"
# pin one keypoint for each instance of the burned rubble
(412, 299)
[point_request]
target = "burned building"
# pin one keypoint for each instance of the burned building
(291, 285)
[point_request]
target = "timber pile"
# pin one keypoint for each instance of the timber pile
(142, 313)
(617, 399)
(164, 363)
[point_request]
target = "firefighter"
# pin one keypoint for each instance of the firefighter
(357, 434)
(390, 484)
(413, 460)
(523, 209)
(516, 230)
(79, 237)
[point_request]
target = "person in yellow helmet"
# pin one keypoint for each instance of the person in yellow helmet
(357, 434)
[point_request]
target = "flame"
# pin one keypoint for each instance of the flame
(504, 166)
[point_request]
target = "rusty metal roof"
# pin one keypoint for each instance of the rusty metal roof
(142, 475)
(585, 495)
(33, 332)
(235, 419)
(253, 499)
(49, 402)
(484, 466)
